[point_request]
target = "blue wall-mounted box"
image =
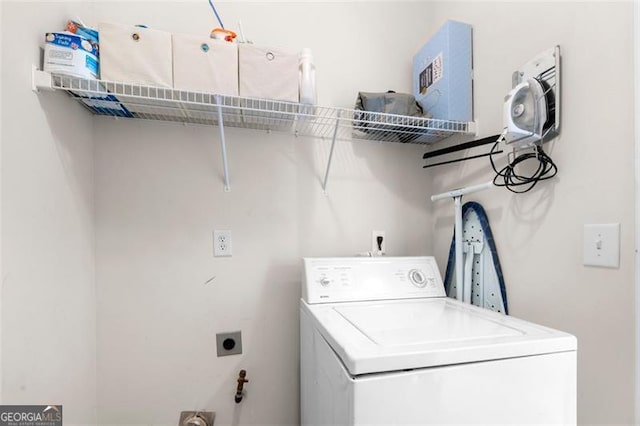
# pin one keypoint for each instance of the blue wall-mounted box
(443, 73)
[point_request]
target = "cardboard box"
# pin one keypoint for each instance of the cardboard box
(443, 73)
(202, 64)
(135, 55)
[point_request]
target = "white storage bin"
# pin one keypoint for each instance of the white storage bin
(202, 64)
(268, 73)
(135, 55)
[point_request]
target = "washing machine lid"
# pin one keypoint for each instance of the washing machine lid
(381, 336)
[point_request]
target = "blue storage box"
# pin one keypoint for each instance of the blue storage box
(443, 73)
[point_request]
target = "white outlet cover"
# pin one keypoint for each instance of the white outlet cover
(222, 244)
(601, 245)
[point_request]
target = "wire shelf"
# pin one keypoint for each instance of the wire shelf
(128, 100)
(137, 101)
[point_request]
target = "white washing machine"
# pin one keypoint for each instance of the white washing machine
(381, 344)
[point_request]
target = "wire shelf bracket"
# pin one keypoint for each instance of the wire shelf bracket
(137, 101)
(223, 145)
(333, 145)
(40, 80)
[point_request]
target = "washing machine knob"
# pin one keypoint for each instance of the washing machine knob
(417, 278)
(325, 282)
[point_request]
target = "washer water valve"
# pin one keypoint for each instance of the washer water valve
(241, 381)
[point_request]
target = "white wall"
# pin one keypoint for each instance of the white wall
(1, 274)
(636, 44)
(159, 196)
(539, 235)
(48, 286)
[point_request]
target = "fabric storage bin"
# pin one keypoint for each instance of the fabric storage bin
(202, 64)
(267, 73)
(135, 55)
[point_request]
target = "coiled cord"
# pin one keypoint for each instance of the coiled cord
(517, 183)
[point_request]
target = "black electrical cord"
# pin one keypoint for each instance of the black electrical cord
(514, 182)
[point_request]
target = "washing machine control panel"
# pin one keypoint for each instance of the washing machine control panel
(329, 280)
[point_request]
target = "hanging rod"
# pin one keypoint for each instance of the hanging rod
(486, 154)
(461, 147)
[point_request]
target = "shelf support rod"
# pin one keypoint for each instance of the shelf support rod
(223, 145)
(333, 145)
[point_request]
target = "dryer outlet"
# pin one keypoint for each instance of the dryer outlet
(378, 243)
(229, 343)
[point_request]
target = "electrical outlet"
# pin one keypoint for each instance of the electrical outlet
(222, 245)
(378, 243)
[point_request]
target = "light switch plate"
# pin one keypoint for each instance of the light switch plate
(601, 245)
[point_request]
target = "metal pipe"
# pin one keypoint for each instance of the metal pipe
(241, 381)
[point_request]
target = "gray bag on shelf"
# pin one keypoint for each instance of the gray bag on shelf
(389, 103)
